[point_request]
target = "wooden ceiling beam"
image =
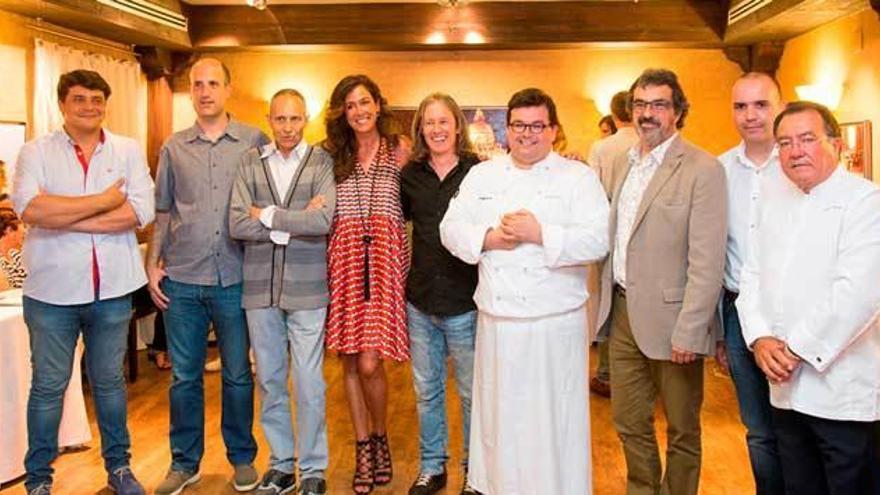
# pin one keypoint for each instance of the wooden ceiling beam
(759, 57)
(91, 17)
(502, 24)
(785, 19)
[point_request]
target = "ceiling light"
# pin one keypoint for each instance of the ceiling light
(451, 4)
(436, 38)
(474, 38)
(827, 94)
(258, 4)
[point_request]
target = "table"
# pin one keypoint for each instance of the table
(15, 382)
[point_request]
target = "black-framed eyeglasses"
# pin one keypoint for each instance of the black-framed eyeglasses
(655, 105)
(534, 128)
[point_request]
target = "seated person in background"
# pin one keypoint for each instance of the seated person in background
(11, 239)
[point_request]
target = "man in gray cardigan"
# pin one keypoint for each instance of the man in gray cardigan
(282, 206)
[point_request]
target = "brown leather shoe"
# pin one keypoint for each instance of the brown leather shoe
(600, 387)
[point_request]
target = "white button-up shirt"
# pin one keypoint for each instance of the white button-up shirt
(59, 262)
(283, 170)
(530, 280)
(641, 171)
(812, 279)
(745, 183)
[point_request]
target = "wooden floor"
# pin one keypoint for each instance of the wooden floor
(725, 460)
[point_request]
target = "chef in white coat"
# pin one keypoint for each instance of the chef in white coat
(531, 220)
(809, 304)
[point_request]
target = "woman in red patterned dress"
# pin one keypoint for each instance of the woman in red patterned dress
(368, 259)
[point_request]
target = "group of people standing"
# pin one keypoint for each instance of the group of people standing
(287, 248)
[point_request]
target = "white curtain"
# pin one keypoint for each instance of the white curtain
(126, 108)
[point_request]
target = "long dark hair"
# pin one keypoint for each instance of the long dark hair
(341, 142)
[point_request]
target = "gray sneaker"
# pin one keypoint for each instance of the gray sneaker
(41, 489)
(245, 478)
(175, 481)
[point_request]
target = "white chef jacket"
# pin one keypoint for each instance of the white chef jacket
(812, 278)
(530, 280)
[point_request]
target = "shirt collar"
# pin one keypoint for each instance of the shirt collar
(542, 164)
(656, 155)
(744, 161)
(233, 130)
(63, 133)
(270, 149)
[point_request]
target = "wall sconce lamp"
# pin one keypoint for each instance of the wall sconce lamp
(825, 94)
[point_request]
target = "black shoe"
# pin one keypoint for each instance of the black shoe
(312, 486)
(275, 482)
(428, 484)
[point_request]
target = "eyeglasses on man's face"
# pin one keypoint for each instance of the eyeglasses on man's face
(654, 105)
(805, 142)
(534, 128)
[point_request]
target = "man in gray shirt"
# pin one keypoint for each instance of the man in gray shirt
(195, 275)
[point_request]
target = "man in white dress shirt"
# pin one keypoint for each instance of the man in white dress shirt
(808, 305)
(81, 190)
(749, 166)
(531, 220)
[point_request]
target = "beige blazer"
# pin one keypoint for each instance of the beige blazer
(676, 253)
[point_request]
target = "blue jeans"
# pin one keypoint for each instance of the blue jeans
(278, 336)
(53, 331)
(753, 395)
(430, 339)
(191, 309)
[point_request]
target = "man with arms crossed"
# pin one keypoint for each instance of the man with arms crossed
(282, 205)
(82, 191)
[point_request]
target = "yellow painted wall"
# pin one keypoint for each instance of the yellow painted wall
(845, 52)
(16, 65)
(573, 77)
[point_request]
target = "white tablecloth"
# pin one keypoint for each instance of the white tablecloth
(15, 382)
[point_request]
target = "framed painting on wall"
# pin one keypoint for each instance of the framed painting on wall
(856, 154)
(487, 127)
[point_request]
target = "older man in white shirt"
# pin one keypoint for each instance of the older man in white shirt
(809, 299)
(531, 220)
(750, 166)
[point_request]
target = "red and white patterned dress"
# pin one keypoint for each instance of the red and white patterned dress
(369, 204)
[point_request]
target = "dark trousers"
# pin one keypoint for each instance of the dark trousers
(826, 457)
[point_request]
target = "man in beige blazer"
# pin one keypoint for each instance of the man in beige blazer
(661, 285)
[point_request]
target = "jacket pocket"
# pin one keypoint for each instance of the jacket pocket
(675, 295)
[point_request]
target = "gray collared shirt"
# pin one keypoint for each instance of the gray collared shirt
(193, 185)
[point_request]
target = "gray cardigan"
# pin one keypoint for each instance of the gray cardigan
(292, 277)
